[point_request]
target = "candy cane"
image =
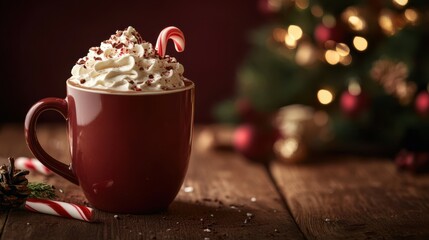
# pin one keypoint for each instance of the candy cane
(32, 164)
(172, 33)
(57, 208)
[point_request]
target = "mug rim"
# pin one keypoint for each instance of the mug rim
(107, 92)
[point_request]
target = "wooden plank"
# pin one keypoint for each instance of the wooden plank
(225, 198)
(3, 217)
(351, 198)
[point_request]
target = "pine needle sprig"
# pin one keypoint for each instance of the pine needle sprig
(41, 190)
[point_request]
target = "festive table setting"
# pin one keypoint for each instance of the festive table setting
(226, 196)
(327, 137)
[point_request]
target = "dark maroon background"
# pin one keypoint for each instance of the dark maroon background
(42, 40)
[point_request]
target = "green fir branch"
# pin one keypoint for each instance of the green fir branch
(41, 190)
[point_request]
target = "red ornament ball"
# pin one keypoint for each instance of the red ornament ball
(323, 33)
(255, 142)
(416, 162)
(267, 7)
(422, 103)
(248, 113)
(353, 104)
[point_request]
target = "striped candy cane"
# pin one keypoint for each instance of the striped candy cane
(32, 164)
(57, 208)
(172, 33)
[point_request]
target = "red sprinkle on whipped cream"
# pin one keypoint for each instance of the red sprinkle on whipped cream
(125, 62)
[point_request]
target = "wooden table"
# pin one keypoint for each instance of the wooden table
(231, 198)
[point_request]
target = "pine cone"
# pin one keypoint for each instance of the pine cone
(13, 186)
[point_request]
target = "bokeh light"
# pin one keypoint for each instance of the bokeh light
(274, 5)
(295, 32)
(305, 54)
(342, 49)
(317, 11)
(400, 3)
(360, 43)
(287, 147)
(325, 96)
(321, 118)
(290, 41)
(411, 15)
(356, 23)
(301, 4)
(386, 22)
(347, 60)
(329, 21)
(354, 19)
(354, 88)
(279, 34)
(332, 57)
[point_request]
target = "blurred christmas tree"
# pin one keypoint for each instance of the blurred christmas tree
(361, 64)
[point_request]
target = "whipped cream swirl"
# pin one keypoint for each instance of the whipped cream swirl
(126, 62)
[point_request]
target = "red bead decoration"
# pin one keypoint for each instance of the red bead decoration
(255, 142)
(422, 103)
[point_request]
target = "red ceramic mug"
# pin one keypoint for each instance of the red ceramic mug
(129, 151)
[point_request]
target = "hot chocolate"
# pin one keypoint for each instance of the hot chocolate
(129, 114)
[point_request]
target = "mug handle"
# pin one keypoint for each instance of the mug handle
(61, 106)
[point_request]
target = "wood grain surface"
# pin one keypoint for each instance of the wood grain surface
(355, 198)
(226, 197)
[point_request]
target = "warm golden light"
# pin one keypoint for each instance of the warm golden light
(317, 11)
(325, 96)
(332, 57)
(411, 15)
(330, 44)
(386, 23)
(320, 118)
(342, 49)
(301, 4)
(354, 88)
(290, 41)
(356, 23)
(287, 147)
(295, 32)
(279, 34)
(329, 21)
(354, 19)
(360, 43)
(305, 54)
(347, 60)
(274, 5)
(400, 3)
